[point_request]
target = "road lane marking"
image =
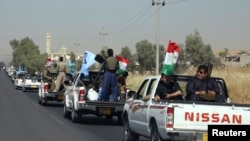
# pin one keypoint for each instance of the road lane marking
(57, 120)
(35, 104)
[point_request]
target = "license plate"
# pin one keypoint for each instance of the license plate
(105, 111)
(33, 86)
(60, 97)
(204, 137)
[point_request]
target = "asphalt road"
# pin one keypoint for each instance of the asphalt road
(23, 119)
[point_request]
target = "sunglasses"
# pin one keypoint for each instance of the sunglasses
(200, 72)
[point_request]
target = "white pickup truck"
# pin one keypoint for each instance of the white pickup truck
(177, 120)
(44, 95)
(77, 101)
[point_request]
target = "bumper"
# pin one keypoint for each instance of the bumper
(99, 109)
(54, 97)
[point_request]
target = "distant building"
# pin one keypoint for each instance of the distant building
(242, 60)
(63, 51)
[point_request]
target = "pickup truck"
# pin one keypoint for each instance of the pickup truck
(77, 103)
(178, 120)
(44, 95)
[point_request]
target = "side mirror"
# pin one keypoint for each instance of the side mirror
(67, 83)
(130, 94)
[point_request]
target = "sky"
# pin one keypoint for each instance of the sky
(81, 25)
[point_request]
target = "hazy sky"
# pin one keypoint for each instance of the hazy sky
(77, 24)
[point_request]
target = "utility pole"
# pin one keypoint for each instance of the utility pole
(158, 3)
(102, 33)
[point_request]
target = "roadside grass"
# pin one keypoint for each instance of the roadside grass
(237, 80)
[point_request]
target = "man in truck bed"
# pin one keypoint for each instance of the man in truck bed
(47, 77)
(201, 86)
(168, 89)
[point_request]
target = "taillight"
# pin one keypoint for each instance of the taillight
(46, 87)
(170, 117)
(81, 95)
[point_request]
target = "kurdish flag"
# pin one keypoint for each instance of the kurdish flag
(87, 61)
(172, 53)
(123, 62)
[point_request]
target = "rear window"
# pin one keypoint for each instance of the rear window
(31, 76)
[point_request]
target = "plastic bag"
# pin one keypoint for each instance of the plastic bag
(92, 95)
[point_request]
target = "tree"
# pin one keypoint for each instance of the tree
(181, 65)
(126, 52)
(145, 57)
(27, 54)
(197, 53)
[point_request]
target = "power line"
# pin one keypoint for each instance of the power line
(103, 34)
(139, 14)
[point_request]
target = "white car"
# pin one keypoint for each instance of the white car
(18, 80)
(30, 82)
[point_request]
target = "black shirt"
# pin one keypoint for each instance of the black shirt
(168, 88)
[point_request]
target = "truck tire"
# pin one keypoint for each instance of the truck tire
(24, 89)
(119, 118)
(74, 115)
(128, 134)
(154, 134)
(44, 102)
(39, 100)
(66, 113)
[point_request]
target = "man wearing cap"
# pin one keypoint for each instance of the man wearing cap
(61, 73)
(47, 77)
(168, 89)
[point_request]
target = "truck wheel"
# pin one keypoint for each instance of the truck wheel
(128, 134)
(44, 102)
(119, 118)
(155, 136)
(74, 115)
(24, 89)
(66, 113)
(39, 100)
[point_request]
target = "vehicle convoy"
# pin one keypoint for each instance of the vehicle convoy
(178, 120)
(81, 99)
(44, 95)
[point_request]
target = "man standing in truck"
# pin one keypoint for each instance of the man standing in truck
(61, 73)
(110, 90)
(201, 85)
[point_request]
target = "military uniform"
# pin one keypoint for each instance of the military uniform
(61, 76)
(48, 79)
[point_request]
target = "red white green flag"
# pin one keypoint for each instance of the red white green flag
(123, 62)
(172, 53)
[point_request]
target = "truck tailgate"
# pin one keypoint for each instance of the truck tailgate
(197, 117)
